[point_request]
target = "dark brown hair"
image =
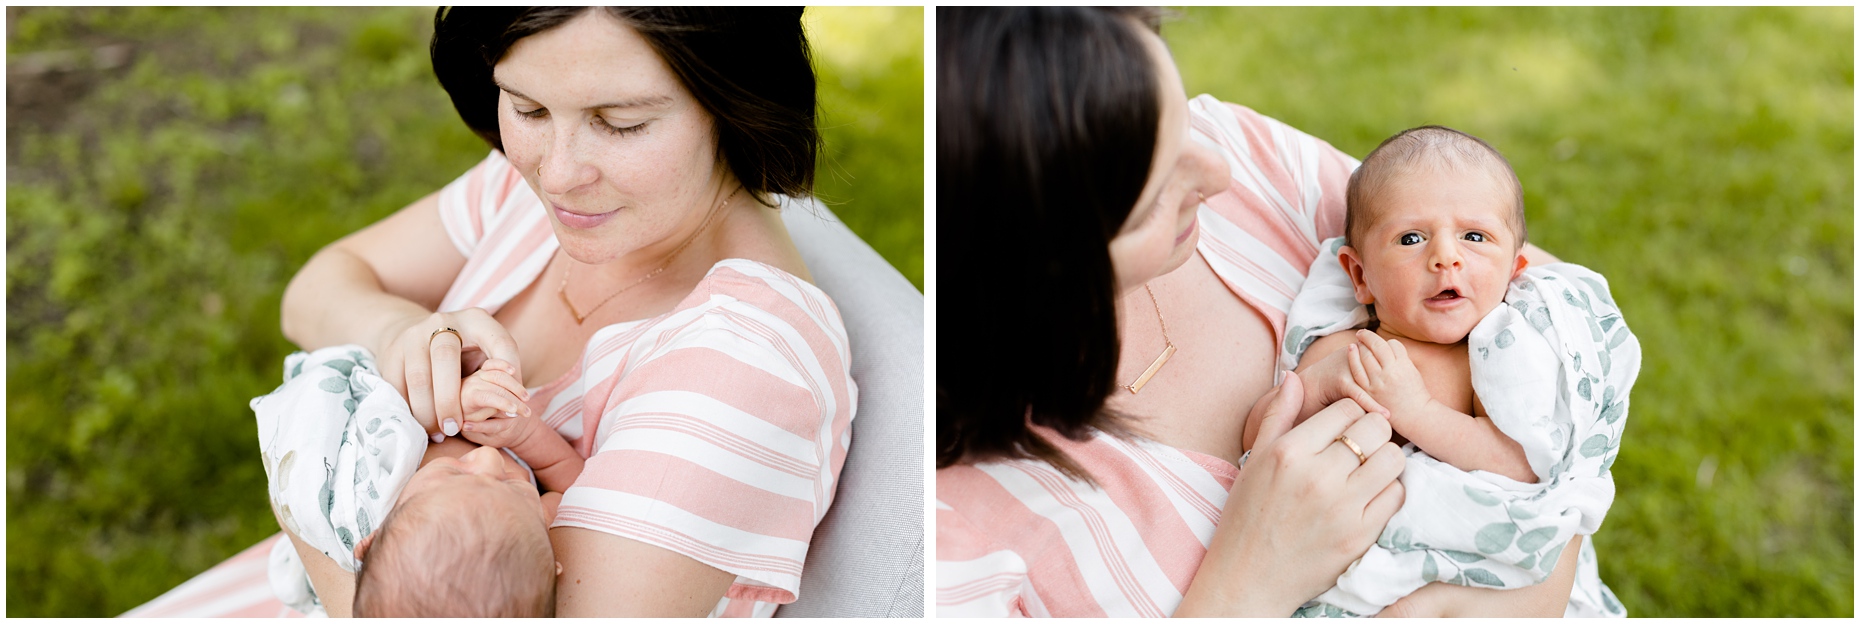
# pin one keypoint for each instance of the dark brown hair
(749, 67)
(1425, 146)
(1047, 120)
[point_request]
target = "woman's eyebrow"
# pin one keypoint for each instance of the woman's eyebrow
(652, 101)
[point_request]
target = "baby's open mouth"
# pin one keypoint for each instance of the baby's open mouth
(1446, 295)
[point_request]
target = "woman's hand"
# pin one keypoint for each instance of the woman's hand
(428, 368)
(1301, 509)
(1546, 599)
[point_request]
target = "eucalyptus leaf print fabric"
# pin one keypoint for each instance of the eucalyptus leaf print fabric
(338, 443)
(1553, 367)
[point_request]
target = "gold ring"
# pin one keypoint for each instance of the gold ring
(1351, 444)
(443, 330)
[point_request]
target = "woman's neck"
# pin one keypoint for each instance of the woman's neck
(1199, 399)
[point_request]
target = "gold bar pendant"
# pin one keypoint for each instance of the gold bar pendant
(1151, 371)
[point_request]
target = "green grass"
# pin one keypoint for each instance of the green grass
(159, 195)
(1701, 159)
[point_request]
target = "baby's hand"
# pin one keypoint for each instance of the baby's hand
(1382, 368)
(492, 391)
(1328, 381)
(501, 432)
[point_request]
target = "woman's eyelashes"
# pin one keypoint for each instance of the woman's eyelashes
(539, 113)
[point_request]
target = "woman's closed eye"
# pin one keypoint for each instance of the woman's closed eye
(619, 130)
(602, 124)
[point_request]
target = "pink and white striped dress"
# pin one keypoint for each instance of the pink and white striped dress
(716, 430)
(1019, 538)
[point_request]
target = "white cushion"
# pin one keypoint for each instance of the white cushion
(867, 556)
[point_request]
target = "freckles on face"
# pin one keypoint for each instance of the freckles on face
(1161, 231)
(605, 134)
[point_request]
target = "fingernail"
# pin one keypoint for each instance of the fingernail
(451, 427)
(509, 415)
(469, 427)
(438, 437)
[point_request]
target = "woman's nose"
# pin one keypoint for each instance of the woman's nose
(1210, 171)
(562, 167)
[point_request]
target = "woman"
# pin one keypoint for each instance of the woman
(621, 246)
(1087, 464)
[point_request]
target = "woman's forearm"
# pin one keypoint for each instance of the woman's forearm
(367, 287)
(337, 299)
(335, 587)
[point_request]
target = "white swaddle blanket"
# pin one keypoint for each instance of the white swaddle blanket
(338, 444)
(1553, 368)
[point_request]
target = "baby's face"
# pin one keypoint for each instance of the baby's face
(1438, 256)
(481, 480)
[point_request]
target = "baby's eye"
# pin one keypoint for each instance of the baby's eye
(1477, 237)
(1410, 238)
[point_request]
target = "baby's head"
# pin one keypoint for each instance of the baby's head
(1434, 227)
(467, 538)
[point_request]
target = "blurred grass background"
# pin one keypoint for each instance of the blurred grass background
(1702, 160)
(168, 170)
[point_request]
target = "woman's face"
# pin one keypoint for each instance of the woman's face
(623, 158)
(1160, 233)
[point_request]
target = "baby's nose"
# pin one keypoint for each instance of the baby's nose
(483, 460)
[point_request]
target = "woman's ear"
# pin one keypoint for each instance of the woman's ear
(1353, 267)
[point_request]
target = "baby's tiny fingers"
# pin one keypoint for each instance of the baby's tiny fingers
(505, 380)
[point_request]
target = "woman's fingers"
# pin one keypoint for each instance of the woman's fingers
(1278, 410)
(444, 349)
(1368, 433)
(1386, 502)
(417, 376)
(1321, 429)
(1386, 462)
(480, 331)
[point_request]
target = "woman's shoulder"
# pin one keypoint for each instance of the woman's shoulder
(741, 286)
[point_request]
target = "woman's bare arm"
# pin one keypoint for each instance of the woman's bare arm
(335, 587)
(364, 288)
(610, 576)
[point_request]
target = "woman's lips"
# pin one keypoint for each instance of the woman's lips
(580, 221)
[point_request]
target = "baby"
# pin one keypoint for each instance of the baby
(464, 535)
(1434, 226)
(1433, 253)
(468, 537)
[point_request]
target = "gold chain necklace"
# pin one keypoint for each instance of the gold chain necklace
(1168, 347)
(579, 317)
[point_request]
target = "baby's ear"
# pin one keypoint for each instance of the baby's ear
(1521, 264)
(1353, 267)
(361, 547)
